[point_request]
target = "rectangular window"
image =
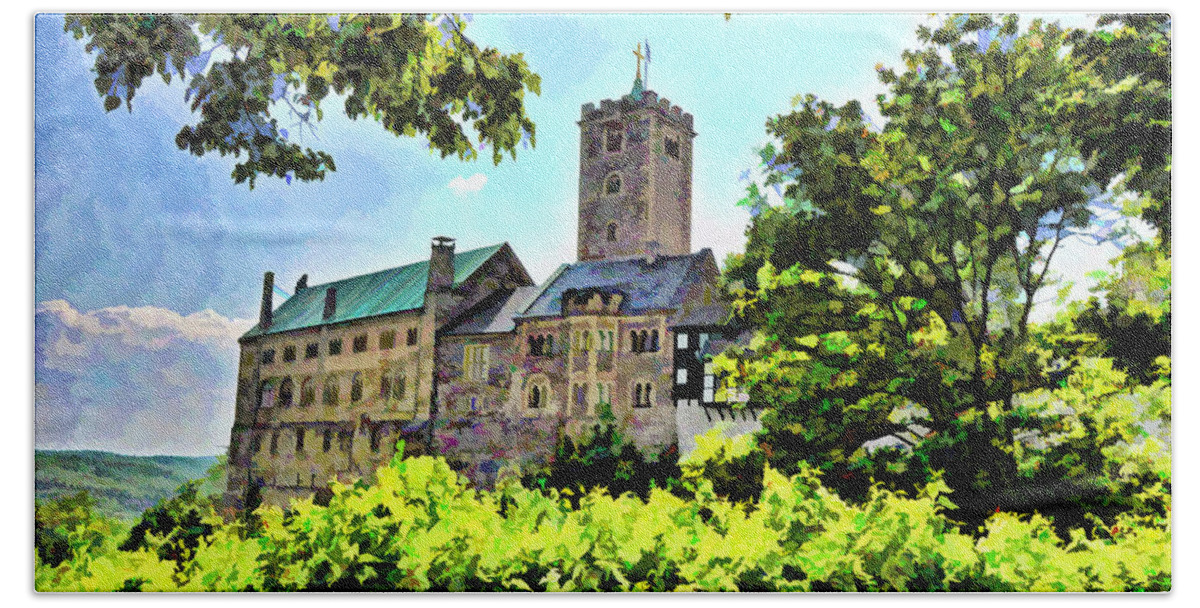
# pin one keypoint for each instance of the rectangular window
(475, 362)
(335, 347)
(289, 353)
(387, 339)
(312, 350)
(299, 440)
(360, 343)
(328, 440)
(411, 338)
(681, 376)
(268, 356)
(681, 341)
(672, 147)
(615, 138)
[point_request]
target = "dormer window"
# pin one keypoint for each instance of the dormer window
(614, 138)
(612, 232)
(612, 185)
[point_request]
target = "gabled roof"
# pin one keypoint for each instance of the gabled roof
(369, 295)
(658, 283)
(495, 314)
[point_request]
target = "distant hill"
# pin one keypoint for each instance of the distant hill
(123, 486)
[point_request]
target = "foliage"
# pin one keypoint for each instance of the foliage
(605, 458)
(68, 528)
(413, 74)
(899, 269)
(419, 526)
(122, 486)
(176, 525)
(734, 466)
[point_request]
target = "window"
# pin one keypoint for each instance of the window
(327, 440)
(681, 341)
(671, 145)
(681, 376)
(398, 387)
(300, 440)
(256, 443)
(603, 393)
(275, 443)
(356, 385)
(411, 338)
(535, 397)
(329, 395)
(308, 393)
(268, 356)
(654, 341)
(475, 362)
(385, 387)
(266, 394)
(642, 394)
(612, 232)
(375, 432)
(580, 391)
(289, 353)
(360, 343)
(312, 350)
(335, 347)
(614, 139)
(593, 147)
(612, 185)
(387, 339)
(345, 441)
(285, 393)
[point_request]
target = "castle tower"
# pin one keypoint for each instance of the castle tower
(635, 177)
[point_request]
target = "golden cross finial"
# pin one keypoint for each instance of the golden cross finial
(640, 57)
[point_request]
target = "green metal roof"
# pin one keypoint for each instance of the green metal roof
(369, 295)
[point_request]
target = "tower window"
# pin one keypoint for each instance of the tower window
(289, 353)
(612, 185)
(311, 350)
(614, 139)
(387, 339)
(643, 394)
(671, 145)
(612, 232)
(360, 343)
(411, 337)
(268, 356)
(335, 347)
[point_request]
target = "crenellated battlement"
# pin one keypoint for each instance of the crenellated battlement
(612, 108)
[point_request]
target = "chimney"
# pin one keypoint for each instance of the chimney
(330, 304)
(268, 304)
(441, 265)
(302, 283)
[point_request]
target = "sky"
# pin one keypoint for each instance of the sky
(149, 261)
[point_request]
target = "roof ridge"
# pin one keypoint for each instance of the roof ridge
(389, 269)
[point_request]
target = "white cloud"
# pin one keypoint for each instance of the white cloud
(461, 186)
(144, 380)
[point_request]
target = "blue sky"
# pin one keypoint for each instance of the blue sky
(138, 244)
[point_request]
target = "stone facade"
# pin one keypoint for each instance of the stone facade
(463, 356)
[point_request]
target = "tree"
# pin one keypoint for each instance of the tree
(900, 270)
(414, 74)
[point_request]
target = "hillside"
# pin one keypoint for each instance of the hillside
(123, 486)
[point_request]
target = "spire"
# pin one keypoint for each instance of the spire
(638, 88)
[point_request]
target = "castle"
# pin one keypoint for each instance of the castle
(463, 355)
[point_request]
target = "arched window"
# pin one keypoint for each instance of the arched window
(535, 397)
(637, 395)
(633, 342)
(328, 440)
(612, 232)
(385, 387)
(643, 394)
(532, 347)
(612, 185)
(356, 387)
(549, 346)
(329, 395)
(308, 392)
(285, 393)
(654, 341)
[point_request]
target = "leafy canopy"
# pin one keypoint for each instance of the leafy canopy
(414, 74)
